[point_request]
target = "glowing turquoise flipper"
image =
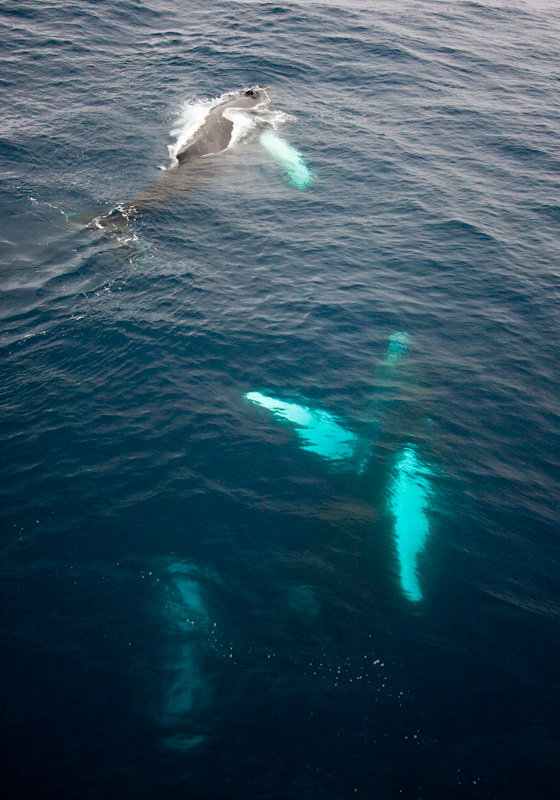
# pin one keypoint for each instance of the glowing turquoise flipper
(410, 493)
(297, 171)
(318, 430)
(398, 345)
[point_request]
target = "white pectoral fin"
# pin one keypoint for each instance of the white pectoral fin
(319, 431)
(291, 160)
(410, 495)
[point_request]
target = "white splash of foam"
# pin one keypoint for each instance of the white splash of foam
(191, 119)
(243, 123)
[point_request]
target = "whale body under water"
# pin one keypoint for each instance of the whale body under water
(409, 494)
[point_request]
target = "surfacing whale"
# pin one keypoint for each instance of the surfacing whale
(193, 160)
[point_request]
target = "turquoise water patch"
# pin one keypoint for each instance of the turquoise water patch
(182, 743)
(185, 606)
(297, 171)
(398, 345)
(409, 503)
(185, 690)
(318, 430)
(304, 601)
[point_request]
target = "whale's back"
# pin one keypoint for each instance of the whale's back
(212, 137)
(215, 133)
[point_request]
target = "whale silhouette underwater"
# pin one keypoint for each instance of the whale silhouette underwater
(408, 490)
(231, 119)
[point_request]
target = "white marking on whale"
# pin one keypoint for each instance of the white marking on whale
(319, 431)
(409, 494)
(291, 160)
(409, 502)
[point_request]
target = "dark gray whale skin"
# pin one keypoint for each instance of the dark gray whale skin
(214, 135)
(194, 159)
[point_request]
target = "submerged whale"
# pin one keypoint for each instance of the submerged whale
(408, 489)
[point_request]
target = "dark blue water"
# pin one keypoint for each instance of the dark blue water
(194, 604)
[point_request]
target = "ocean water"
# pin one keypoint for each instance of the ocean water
(280, 459)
